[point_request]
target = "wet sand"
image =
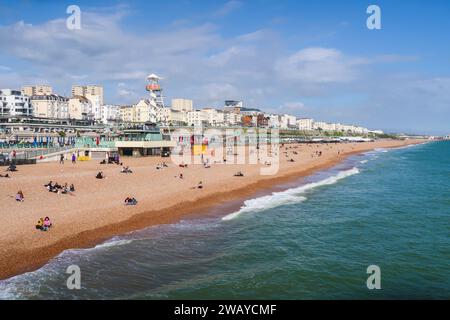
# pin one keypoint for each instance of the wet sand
(95, 211)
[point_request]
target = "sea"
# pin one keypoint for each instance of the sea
(314, 238)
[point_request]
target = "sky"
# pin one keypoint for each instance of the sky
(307, 58)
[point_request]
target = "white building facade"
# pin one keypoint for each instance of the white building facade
(14, 103)
(50, 106)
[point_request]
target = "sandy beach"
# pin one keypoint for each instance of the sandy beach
(95, 211)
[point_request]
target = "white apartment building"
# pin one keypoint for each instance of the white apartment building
(14, 103)
(40, 89)
(232, 118)
(196, 118)
(50, 106)
(305, 124)
(96, 103)
(143, 112)
(91, 90)
(214, 117)
(109, 113)
(274, 121)
(163, 115)
(288, 121)
(182, 105)
(127, 113)
(178, 117)
(80, 108)
(324, 126)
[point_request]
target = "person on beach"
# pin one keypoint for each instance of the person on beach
(19, 196)
(199, 185)
(126, 170)
(4, 176)
(40, 224)
(74, 158)
(129, 201)
(12, 168)
(72, 188)
(61, 159)
(100, 175)
(47, 224)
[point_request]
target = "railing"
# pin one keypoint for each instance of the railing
(22, 155)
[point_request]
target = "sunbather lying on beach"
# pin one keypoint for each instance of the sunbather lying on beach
(199, 186)
(4, 176)
(239, 174)
(130, 201)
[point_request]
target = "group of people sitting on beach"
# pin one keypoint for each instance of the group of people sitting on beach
(110, 161)
(44, 224)
(161, 166)
(57, 188)
(126, 170)
(183, 165)
(12, 168)
(129, 201)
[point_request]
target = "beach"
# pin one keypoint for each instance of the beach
(96, 212)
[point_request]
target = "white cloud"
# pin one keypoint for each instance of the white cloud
(228, 8)
(318, 65)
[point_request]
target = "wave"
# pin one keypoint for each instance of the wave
(112, 243)
(294, 195)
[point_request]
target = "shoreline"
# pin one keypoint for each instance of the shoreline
(26, 260)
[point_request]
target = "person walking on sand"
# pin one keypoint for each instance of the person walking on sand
(61, 159)
(74, 158)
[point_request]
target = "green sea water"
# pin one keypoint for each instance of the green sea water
(314, 240)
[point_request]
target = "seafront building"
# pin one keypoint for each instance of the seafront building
(50, 106)
(305, 124)
(88, 91)
(38, 118)
(110, 113)
(80, 108)
(185, 105)
(14, 103)
(40, 89)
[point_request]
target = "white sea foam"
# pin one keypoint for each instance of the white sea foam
(364, 161)
(113, 243)
(294, 195)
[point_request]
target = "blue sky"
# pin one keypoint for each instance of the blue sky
(309, 58)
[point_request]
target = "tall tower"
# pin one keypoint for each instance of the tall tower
(154, 88)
